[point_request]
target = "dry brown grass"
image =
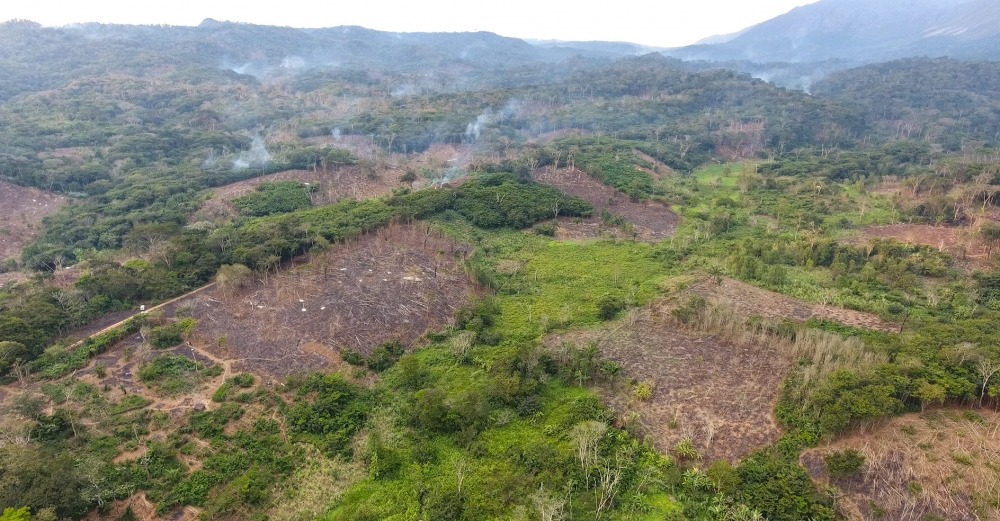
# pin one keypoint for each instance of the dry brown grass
(943, 463)
(331, 185)
(717, 392)
(964, 244)
(715, 376)
(653, 221)
(750, 301)
(315, 487)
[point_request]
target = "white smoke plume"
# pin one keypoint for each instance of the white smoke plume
(474, 130)
(256, 157)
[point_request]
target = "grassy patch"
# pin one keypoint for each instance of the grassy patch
(174, 374)
(547, 285)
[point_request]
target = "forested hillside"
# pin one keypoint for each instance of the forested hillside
(267, 273)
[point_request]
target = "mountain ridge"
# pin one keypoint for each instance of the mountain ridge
(863, 32)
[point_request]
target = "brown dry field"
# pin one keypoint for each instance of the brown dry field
(331, 185)
(13, 277)
(943, 463)
(653, 221)
(21, 212)
(750, 300)
(963, 244)
(659, 170)
(719, 394)
(397, 283)
(336, 183)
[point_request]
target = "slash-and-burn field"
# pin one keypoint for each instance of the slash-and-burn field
(964, 244)
(331, 185)
(750, 300)
(21, 212)
(941, 464)
(394, 284)
(718, 393)
(652, 221)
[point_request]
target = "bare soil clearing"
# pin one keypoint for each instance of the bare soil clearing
(12, 278)
(941, 464)
(717, 393)
(396, 283)
(142, 509)
(963, 244)
(659, 170)
(21, 213)
(331, 185)
(340, 182)
(652, 220)
(750, 300)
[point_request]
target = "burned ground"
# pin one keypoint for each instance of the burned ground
(331, 186)
(963, 244)
(717, 393)
(652, 220)
(21, 213)
(750, 300)
(941, 464)
(395, 284)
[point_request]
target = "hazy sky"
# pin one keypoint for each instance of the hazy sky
(664, 23)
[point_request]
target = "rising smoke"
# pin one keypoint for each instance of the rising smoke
(256, 157)
(474, 130)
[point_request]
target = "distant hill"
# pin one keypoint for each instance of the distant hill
(863, 31)
(37, 58)
(948, 101)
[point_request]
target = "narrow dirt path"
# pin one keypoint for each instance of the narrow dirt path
(137, 313)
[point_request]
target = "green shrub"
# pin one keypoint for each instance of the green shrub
(172, 334)
(844, 463)
(609, 306)
(272, 198)
(385, 356)
(353, 357)
(175, 374)
(328, 412)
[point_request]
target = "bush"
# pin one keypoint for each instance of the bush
(174, 374)
(685, 450)
(546, 230)
(242, 380)
(609, 306)
(643, 392)
(328, 413)
(172, 334)
(353, 357)
(274, 198)
(840, 464)
(385, 356)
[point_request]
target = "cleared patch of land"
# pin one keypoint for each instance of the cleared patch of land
(652, 220)
(718, 393)
(394, 284)
(13, 277)
(656, 169)
(963, 244)
(750, 300)
(21, 213)
(941, 464)
(347, 182)
(331, 185)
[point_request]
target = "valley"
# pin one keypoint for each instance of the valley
(255, 272)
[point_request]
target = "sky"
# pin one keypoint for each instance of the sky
(667, 23)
